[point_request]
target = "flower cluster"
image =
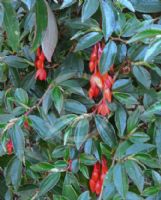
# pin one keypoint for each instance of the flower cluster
(98, 175)
(9, 147)
(39, 64)
(100, 83)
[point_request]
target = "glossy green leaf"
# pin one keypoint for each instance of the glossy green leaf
(133, 120)
(41, 22)
(127, 4)
(84, 196)
(42, 167)
(21, 96)
(147, 6)
(15, 62)
(69, 192)
(151, 191)
(108, 19)
(145, 34)
(58, 99)
(74, 106)
(48, 183)
(142, 75)
(89, 9)
(18, 140)
(139, 147)
(156, 177)
(88, 40)
(139, 137)
(125, 98)
(120, 120)
(120, 180)
(108, 56)
(11, 25)
(106, 131)
(67, 3)
(135, 173)
(81, 132)
(87, 159)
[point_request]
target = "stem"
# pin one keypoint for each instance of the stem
(118, 39)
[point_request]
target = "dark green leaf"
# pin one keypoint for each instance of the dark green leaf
(88, 40)
(106, 131)
(151, 191)
(120, 180)
(139, 137)
(147, 6)
(57, 97)
(42, 167)
(48, 183)
(18, 140)
(11, 25)
(74, 106)
(69, 192)
(15, 61)
(21, 96)
(142, 76)
(108, 56)
(89, 9)
(127, 4)
(156, 177)
(108, 19)
(81, 132)
(125, 98)
(87, 159)
(84, 196)
(145, 34)
(133, 120)
(135, 173)
(41, 22)
(120, 120)
(141, 147)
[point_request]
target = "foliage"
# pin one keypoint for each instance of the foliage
(53, 132)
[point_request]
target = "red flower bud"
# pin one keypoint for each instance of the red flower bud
(92, 185)
(108, 95)
(9, 147)
(98, 187)
(42, 57)
(41, 74)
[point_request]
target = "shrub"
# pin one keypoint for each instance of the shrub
(80, 99)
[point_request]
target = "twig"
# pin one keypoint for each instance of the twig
(118, 39)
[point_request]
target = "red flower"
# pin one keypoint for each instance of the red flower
(96, 80)
(70, 165)
(41, 74)
(9, 147)
(93, 92)
(26, 124)
(103, 109)
(108, 95)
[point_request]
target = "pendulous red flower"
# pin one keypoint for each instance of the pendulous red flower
(9, 147)
(41, 74)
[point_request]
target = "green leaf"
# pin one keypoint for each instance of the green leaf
(67, 3)
(48, 183)
(58, 99)
(42, 167)
(151, 191)
(15, 62)
(81, 132)
(121, 84)
(127, 4)
(69, 192)
(120, 179)
(14, 172)
(108, 56)
(150, 113)
(18, 140)
(87, 159)
(84, 171)
(147, 160)
(125, 98)
(120, 120)
(21, 96)
(142, 76)
(11, 25)
(84, 196)
(88, 40)
(139, 147)
(108, 19)
(133, 120)
(41, 22)
(106, 131)
(145, 34)
(153, 50)
(158, 138)
(89, 9)
(147, 6)
(139, 137)
(135, 173)
(132, 196)
(74, 106)
(1, 14)
(156, 177)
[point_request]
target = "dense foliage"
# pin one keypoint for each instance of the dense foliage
(80, 99)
